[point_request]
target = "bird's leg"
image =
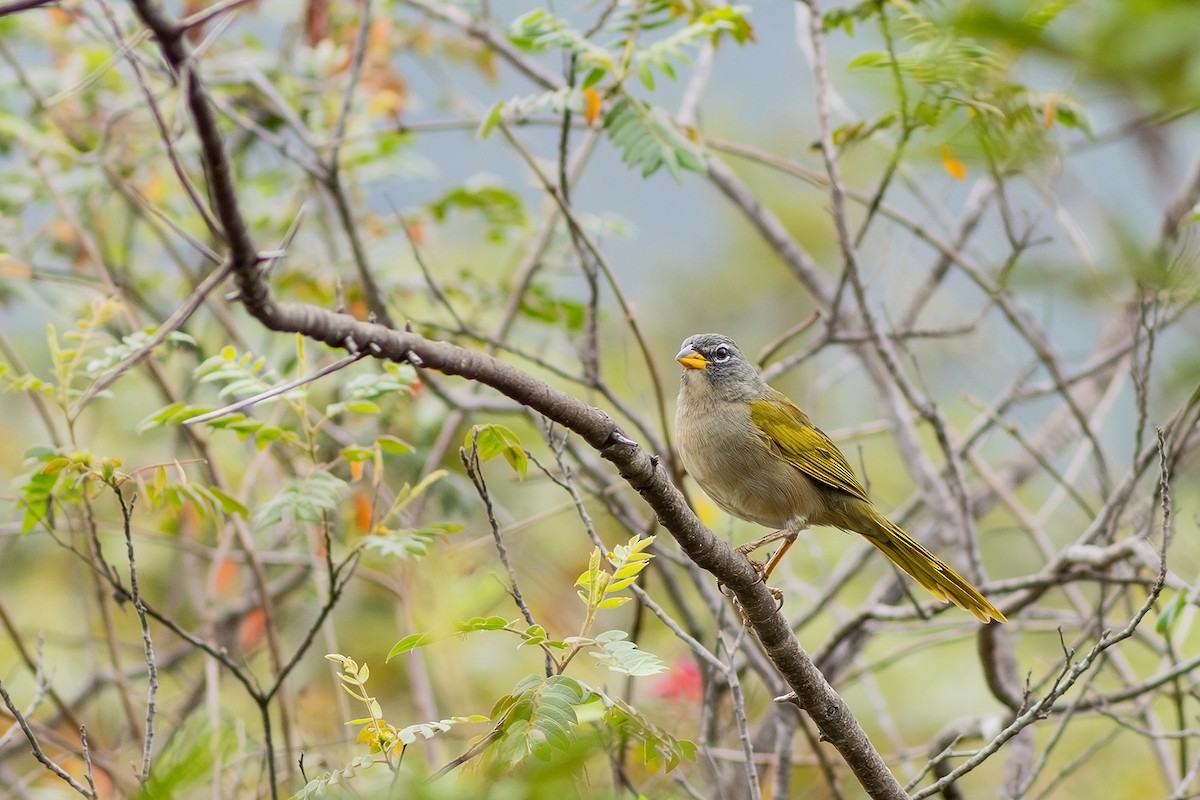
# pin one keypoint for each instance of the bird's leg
(773, 561)
(789, 539)
(764, 570)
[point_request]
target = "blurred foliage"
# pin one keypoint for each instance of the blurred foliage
(1073, 120)
(1142, 47)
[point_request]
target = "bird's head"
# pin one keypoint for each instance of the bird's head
(714, 361)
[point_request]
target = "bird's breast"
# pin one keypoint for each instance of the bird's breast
(726, 454)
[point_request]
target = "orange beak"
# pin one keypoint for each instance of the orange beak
(692, 359)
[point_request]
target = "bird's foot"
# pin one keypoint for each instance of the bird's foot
(760, 569)
(725, 590)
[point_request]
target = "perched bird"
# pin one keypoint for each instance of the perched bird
(760, 458)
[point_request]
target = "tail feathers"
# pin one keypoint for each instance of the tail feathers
(928, 570)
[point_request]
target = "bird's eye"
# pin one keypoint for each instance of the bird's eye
(721, 354)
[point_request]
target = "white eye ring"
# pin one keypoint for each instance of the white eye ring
(721, 354)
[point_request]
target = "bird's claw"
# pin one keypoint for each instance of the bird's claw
(761, 571)
(760, 568)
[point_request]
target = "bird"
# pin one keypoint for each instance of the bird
(760, 458)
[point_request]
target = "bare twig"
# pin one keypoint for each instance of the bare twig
(147, 643)
(38, 753)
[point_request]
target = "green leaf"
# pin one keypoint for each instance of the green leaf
(306, 500)
(409, 543)
(496, 440)
(412, 642)
(361, 406)
(620, 655)
(428, 730)
(174, 414)
(319, 787)
(37, 496)
(187, 760)
(593, 78)
(393, 446)
(659, 748)
(540, 304)
(875, 59)
(491, 121)
(706, 27)
(539, 716)
(482, 624)
(555, 102)
(499, 207)
(539, 30)
(648, 140)
(391, 380)
(646, 76)
(1167, 617)
(226, 502)
(354, 453)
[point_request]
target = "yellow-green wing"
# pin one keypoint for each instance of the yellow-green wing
(790, 432)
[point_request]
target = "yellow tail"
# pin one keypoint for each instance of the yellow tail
(928, 570)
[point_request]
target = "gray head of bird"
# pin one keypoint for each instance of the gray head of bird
(713, 362)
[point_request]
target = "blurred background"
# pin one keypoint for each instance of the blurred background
(1021, 182)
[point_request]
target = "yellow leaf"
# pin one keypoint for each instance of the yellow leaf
(956, 168)
(591, 105)
(155, 189)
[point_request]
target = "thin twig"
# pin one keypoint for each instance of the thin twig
(276, 391)
(147, 643)
(46, 761)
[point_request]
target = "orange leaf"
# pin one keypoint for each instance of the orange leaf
(253, 629)
(357, 308)
(379, 38)
(956, 168)
(591, 107)
(316, 21)
(11, 268)
(416, 231)
(1049, 112)
(363, 511)
(226, 571)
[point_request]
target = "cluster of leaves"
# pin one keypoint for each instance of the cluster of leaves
(75, 357)
(492, 440)
(599, 589)
(63, 475)
(402, 542)
(959, 90)
(1142, 47)
(56, 477)
(317, 492)
(645, 136)
(500, 208)
(542, 714)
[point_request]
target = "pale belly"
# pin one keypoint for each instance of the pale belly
(745, 479)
